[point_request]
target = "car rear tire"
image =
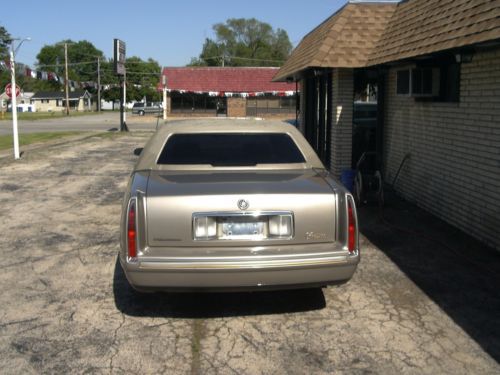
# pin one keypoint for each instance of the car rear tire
(141, 113)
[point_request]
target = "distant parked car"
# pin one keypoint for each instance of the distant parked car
(227, 206)
(143, 108)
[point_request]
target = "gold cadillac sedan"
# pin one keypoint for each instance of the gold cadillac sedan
(230, 206)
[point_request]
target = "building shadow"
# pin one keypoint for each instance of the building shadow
(211, 305)
(460, 274)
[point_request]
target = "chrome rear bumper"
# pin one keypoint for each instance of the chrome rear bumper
(210, 273)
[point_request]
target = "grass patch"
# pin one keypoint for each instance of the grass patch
(32, 116)
(6, 141)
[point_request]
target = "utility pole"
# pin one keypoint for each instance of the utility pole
(98, 84)
(66, 76)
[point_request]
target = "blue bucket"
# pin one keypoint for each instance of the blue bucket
(347, 178)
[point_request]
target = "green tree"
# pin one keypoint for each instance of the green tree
(82, 59)
(5, 40)
(142, 79)
(112, 94)
(244, 42)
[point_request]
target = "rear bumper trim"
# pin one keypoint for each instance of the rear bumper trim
(246, 265)
(233, 274)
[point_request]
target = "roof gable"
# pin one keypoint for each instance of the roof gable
(345, 39)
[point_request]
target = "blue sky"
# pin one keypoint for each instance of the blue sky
(170, 32)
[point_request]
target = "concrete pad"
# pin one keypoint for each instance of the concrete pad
(67, 308)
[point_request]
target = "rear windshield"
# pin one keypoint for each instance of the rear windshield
(230, 149)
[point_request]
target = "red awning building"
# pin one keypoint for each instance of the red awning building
(228, 91)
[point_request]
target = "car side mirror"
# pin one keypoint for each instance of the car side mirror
(138, 151)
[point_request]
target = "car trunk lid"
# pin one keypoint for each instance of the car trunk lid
(174, 199)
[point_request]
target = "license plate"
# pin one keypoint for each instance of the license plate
(268, 225)
(242, 228)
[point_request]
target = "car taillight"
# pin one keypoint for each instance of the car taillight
(351, 239)
(131, 231)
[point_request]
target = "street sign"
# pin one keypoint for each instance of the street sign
(119, 52)
(8, 90)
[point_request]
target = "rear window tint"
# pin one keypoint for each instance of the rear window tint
(230, 149)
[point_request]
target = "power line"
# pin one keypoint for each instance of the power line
(134, 72)
(77, 63)
(246, 58)
(240, 58)
(69, 64)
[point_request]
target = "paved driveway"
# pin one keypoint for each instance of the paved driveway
(66, 307)
(103, 121)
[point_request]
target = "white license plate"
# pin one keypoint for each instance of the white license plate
(242, 229)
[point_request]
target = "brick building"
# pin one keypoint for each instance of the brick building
(233, 92)
(431, 72)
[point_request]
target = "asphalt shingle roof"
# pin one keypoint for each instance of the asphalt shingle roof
(367, 34)
(58, 94)
(224, 79)
(346, 39)
(419, 27)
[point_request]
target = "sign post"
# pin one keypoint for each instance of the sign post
(165, 109)
(119, 53)
(14, 95)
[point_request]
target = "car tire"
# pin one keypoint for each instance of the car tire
(141, 113)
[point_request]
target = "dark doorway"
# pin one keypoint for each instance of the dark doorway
(221, 106)
(318, 119)
(366, 115)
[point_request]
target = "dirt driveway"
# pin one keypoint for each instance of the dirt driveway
(66, 307)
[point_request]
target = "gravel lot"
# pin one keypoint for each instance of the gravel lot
(66, 307)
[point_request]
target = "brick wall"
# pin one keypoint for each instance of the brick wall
(454, 166)
(236, 107)
(342, 107)
(169, 105)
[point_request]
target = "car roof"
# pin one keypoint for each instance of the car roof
(155, 145)
(229, 125)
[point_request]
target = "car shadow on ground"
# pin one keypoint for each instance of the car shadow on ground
(460, 274)
(211, 305)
